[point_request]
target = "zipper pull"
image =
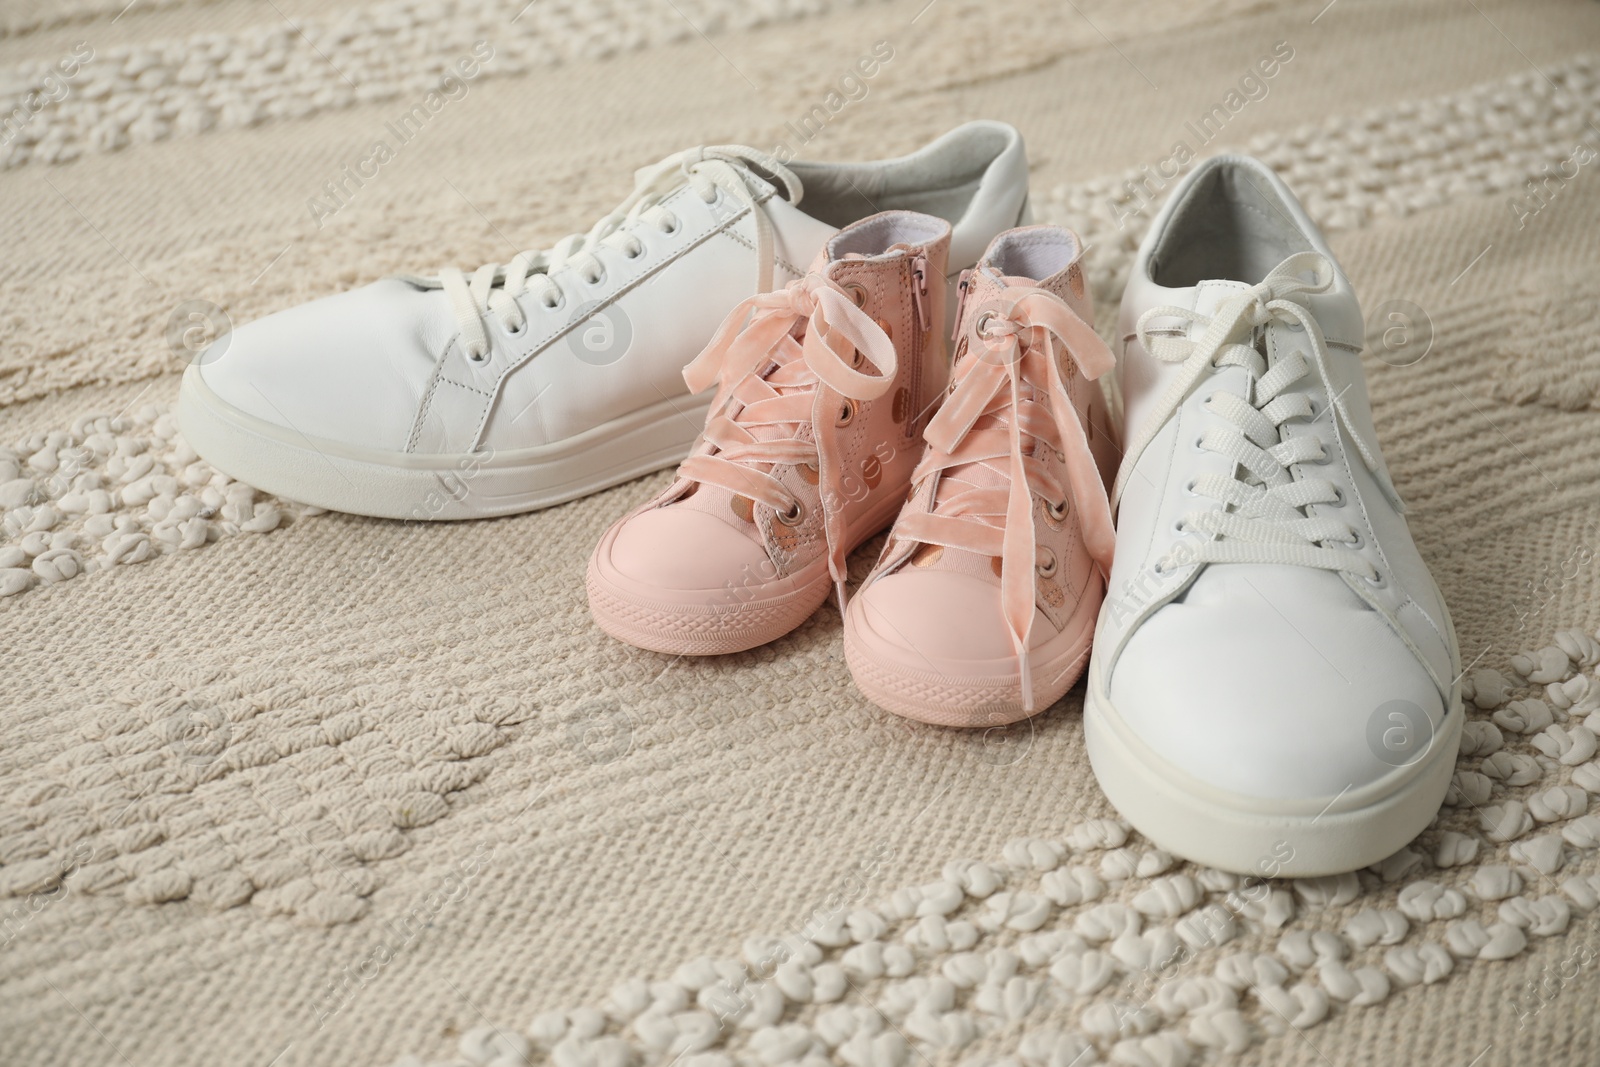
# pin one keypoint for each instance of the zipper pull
(919, 295)
(961, 303)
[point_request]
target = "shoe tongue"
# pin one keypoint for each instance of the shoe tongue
(1144, 379)
(1204, 298)
(786, 186)
(984, 288)
(765, 169)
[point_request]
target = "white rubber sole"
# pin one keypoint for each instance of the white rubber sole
(401, 485)
(1266, 838)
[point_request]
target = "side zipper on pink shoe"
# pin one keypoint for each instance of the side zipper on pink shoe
(919, 304)
(961, 303)
(919, 292)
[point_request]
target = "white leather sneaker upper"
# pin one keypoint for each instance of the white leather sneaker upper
(1267, 604)
(562, 341)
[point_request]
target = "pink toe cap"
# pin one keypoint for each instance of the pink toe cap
(942, 615)
(684, 550)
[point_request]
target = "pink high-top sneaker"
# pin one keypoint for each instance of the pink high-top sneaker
(982, 607)
(808, 448)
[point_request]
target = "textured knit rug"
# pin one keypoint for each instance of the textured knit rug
(287, 787)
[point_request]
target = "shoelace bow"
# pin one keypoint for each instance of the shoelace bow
(493, 288)
(985, 419)
(1263, 518)
(766, 397)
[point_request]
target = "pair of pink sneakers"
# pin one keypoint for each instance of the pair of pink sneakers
(837, 413)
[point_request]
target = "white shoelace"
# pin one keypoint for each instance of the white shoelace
(1263, 519)
(494, 289)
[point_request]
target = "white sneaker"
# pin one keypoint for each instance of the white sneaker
(1275, 682)
(560, 373)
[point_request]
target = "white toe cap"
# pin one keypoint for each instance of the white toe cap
(1275, 682)
(350, 368)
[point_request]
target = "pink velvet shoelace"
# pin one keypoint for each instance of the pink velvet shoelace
(768, 357)
(1009, 399)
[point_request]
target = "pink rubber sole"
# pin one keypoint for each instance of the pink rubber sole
(968, 694)
(704, 631)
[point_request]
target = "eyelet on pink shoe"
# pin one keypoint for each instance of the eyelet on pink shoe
(983, 610)
(807, 452)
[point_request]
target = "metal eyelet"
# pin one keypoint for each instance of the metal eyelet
(983, 320)
(792, 517)
(1055, 512)
(1048, 568)
(847, 413)
(857, 292)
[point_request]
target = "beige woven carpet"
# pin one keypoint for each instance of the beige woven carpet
(279, 787)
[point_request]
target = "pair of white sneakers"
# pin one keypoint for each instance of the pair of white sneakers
(1275, 685)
